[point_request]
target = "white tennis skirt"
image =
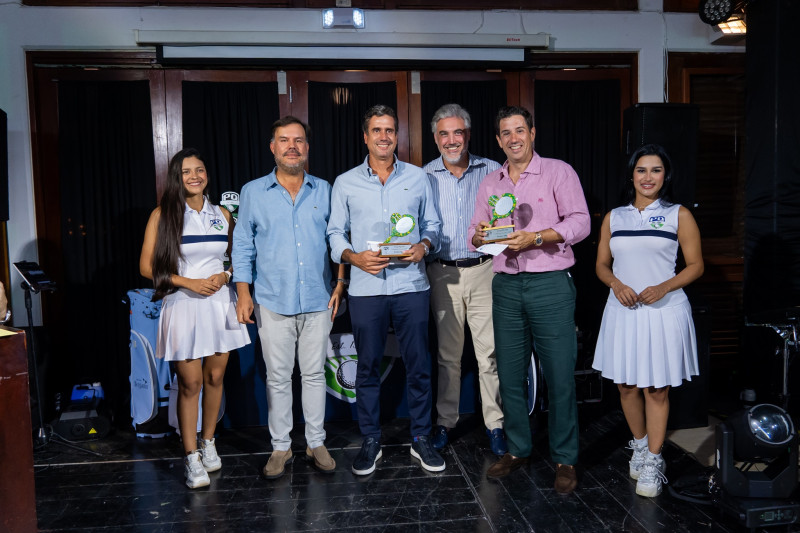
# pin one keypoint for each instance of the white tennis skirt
(647, 346)
(193, 326)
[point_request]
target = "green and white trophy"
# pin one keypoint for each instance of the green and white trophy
(502, 207)
(402, 225)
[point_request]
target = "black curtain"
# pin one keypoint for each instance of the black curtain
(107, 190)
(482, 99)
(230, 124)
(579, 122)
(335, 111)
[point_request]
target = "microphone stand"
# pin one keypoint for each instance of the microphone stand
(43, 437)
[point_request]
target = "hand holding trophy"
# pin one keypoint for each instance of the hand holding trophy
(502, 207)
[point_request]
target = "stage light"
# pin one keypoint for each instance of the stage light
(715, 11)
(343, 18)
(763, 435)
(727, 15)
(734, 25)
(762, 432)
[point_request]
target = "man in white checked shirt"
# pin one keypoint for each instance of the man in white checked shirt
(461, 280)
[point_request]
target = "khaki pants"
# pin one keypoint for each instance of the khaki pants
(284, 339)
(459, 294)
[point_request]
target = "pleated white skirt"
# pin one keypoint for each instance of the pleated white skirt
(193, 326)
(647, 346)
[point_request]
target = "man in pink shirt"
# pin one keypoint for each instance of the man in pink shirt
(533, 292)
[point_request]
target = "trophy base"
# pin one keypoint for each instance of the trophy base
(499, 233)
(396, 249)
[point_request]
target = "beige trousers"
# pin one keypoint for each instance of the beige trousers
(459, 294)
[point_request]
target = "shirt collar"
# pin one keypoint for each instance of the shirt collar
(206, 207)
(368, 170)
(474, 161)
(272, 179)
(653, 205)
(534, 167)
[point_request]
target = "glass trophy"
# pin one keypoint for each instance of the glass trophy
(502, 207)
(402, 225)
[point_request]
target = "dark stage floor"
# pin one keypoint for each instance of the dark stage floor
(138, 485)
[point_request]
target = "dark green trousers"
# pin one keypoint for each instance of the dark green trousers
(537, 310)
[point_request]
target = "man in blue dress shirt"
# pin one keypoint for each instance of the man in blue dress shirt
(280, 246)
(384, 291)
(461, 279)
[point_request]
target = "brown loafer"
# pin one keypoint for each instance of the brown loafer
(507, 464)
(566, 479)
(276, 466)
(322, 459)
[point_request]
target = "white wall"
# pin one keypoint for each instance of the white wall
(648, 32)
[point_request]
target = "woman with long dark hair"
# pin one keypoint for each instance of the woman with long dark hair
(647, 340)
(184, 246)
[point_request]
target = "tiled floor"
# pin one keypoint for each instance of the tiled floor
(138, 486)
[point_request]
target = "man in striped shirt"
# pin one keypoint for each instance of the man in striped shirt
(460, 279)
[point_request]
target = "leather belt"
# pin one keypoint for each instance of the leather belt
(466, 263)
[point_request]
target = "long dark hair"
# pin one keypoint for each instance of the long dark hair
(167, 253)
(665, 193)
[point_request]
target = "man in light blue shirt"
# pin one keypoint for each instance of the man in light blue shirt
(279, 245)
(384, 291)
(461, 279)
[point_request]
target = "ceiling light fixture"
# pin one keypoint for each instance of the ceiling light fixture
(343, 18)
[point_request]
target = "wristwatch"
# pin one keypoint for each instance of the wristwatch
(427, 249)
(7, 317)
(538, 240)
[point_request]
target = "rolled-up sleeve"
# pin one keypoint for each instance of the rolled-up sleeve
(575, 223)
(339, 223)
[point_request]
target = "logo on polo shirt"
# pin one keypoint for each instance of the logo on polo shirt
(657, 222)
(217, 224)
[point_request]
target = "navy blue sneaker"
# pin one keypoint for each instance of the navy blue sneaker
(429, 458)
(439, 437)
(367, 457)
(497, 441)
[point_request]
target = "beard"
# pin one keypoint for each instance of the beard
(453, 159)
(285, 166)
(291, 169)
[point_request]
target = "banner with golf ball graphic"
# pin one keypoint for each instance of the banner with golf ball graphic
(340, 368)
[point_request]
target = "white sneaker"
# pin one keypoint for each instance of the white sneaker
(196, 475)
(651, 477)
(637, 459)
(211, 461)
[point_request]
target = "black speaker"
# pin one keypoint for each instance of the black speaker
(673, 126)
(688, 404)
(4, 165)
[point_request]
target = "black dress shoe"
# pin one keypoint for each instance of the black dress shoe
(507, 464)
